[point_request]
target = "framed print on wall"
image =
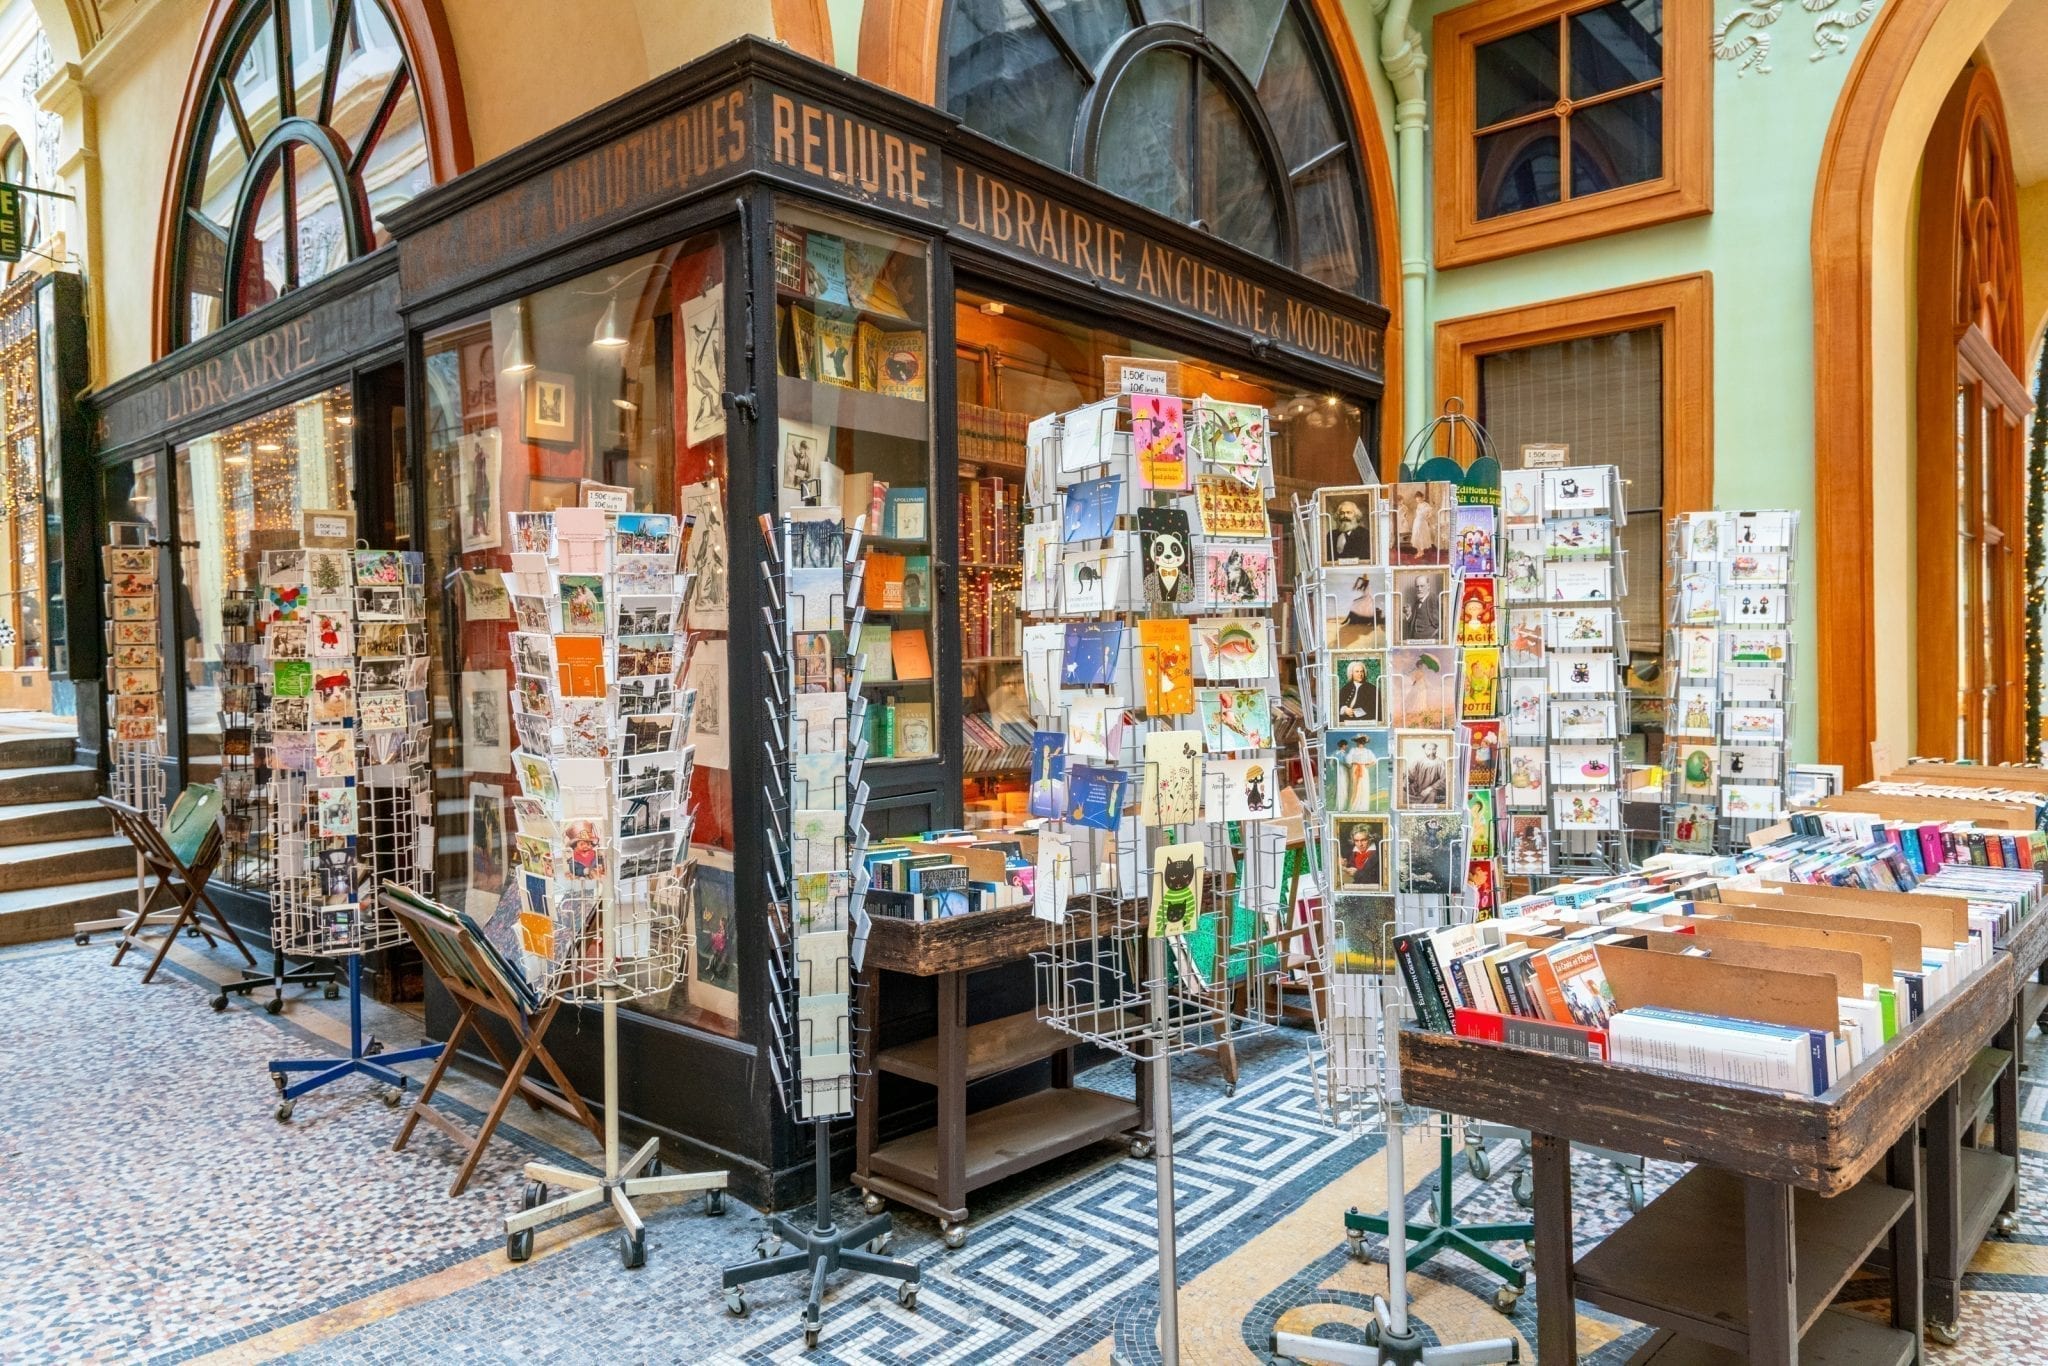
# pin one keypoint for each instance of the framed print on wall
(550, 407)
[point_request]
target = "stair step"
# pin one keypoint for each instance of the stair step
(38, 821)
(49, 912)
(38, 751)
(55, 862)
(54, 783)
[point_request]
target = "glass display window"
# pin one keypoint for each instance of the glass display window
(23, 631)
(1014, 363)
(241, 491)
(853, 356)
(614, 379)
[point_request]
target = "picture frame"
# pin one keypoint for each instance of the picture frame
(547, 495)
(548, 405)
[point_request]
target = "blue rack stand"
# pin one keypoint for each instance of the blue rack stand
(366, 1056)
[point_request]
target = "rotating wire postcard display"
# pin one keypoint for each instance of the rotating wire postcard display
(135, 694)
(603, 852)
(1562, 580)
(351, 796)
(1730, 671)
(1151, 665)
(816, 881)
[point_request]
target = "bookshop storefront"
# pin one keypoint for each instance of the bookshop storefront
(755, 285)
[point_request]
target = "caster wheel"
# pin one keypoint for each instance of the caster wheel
(736, 1304)
(1476, 1163)
(714, 1203)
(2007, 1223)
(1506, 1298)
(81, 939)
(871, 1202)
(284, 1113)
(880, 1246)
(1635, 1197)
(536, 1195)
(653, 1167)
(1354, 1246)
(1229, 1089)
(633, 1250)
(392, 1095)
(1947, 1334)
(519, 1246)
(274, 1006)
(219, 1002)
(373, 1048)
(331, 992)
(277, 1080)
(1141, 1147)
(906, 1295)
(955, 1235)
(811, 1337)
(1525, 1188)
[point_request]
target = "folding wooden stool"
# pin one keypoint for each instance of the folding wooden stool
(182, 856)
(472, 973)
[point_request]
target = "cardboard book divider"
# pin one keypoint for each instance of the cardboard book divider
(1905, 941)
(1643, 977)
(1872, 952)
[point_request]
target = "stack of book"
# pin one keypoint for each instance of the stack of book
(990, 436)
(940, 876)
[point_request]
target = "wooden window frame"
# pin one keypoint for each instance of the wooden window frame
(1684, 190)
(1681, 307)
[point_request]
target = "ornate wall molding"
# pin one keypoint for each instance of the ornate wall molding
(1743, 36)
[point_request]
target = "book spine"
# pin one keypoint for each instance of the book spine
(1420, 995)
(1479, 1024)
(1549, 993)
(1433, 968)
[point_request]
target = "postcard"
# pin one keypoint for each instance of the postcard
(1578, 538)
(1751, 802)
(1699, 536)
(1582, 720)
(1166, 666)
(1092, 578)
(1692, 710)
(1421, 603)
(1238, 576)
(1586, 808)
(382, 711)
(1750, 762)
(1573, 582)
(1163, 544)
(1577, 672)
(1349, 517)
(1756, 647)
(1753, 605)
(1357, 686)
(1234, 719)
(1698, 650)
(1359, 929)
(1048, 793)
(1526, 846)
(1176, 903)
(1478, 615)
(1473, 527)
(1091, 508)
(582, 603)
(1692, 828)
(1358, 771)
(1521, 499)
(1095, 796)
(1525, 648)
(1748, 724)
(1423, 687)
(1095, 727)
(1753, 684)
(1091, 652)
(1242, 789)
(1431, 862)
(1697, 770)
(1228, 507)
(1172, 783)
(1526, 697)
(1422, 523)
(1581, 765)
(1482, 744)
(1159, 440)
(1232, 648)
(1481, 696)
(1355, 615)
(1568, 492)
(1754, 531)
(1423, 763)
(1233, 435)
(1479, 823)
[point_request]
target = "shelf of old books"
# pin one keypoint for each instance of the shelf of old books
(853, 318)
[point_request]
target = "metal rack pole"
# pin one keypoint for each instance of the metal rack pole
(1162, 1129)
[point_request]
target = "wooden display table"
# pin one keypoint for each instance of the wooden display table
(1742, 1256)
(935, 1169)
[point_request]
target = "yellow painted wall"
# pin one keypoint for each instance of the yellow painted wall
(2033, 206)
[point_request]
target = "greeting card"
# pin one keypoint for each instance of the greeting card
(1173, 777)
(1165, 666)
(1159, 439)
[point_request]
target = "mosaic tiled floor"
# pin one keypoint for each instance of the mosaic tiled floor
(157, 1211)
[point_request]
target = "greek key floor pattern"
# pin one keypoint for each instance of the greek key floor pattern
(157, 1211)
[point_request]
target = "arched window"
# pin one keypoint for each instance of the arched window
(1225, 114)
(14, 170)
(307, 129)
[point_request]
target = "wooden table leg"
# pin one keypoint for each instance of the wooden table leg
(952, 1114)
(1557, 1313)
(2005, 1104)
(867, 1083)
(1773, 1311)
(1902, 1170)
(1941, 1192)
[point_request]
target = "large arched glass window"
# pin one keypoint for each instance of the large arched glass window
(1225, 114)
(308, 130)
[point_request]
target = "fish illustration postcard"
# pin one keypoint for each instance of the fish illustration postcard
(1176, 888)
(1163, 544)
(1228, 507)
(1233, 648)
(1240, 789)
(1358, 771)
(1478, 612)
(1472, 529)
(1090, 655)
(1095, 796)
(1166, 666)
(1234, 719)
(1172, 784)
(1159, 438)
(1091, 508)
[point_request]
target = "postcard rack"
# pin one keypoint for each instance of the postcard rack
(603, 877)
(1151, 671)
(815, 882)
(351, 802)
(135, 743)
(247, 831)
(1566, 703)
(1729, 676)
(1387, 757)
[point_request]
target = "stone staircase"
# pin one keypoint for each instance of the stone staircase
(60, 860)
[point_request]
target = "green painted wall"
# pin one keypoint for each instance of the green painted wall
(1769, 128)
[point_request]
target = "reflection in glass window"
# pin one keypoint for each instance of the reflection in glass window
(1143, 99)
(590, 380)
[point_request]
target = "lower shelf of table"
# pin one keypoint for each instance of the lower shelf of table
(1008, 1138)
(1682, 1263)
(1836, 1339)
(1987, 1176)
(1980, 1081)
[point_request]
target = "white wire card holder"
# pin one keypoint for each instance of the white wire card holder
(605, 862)
(132, 562)
(350, 794)
(815, 880)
